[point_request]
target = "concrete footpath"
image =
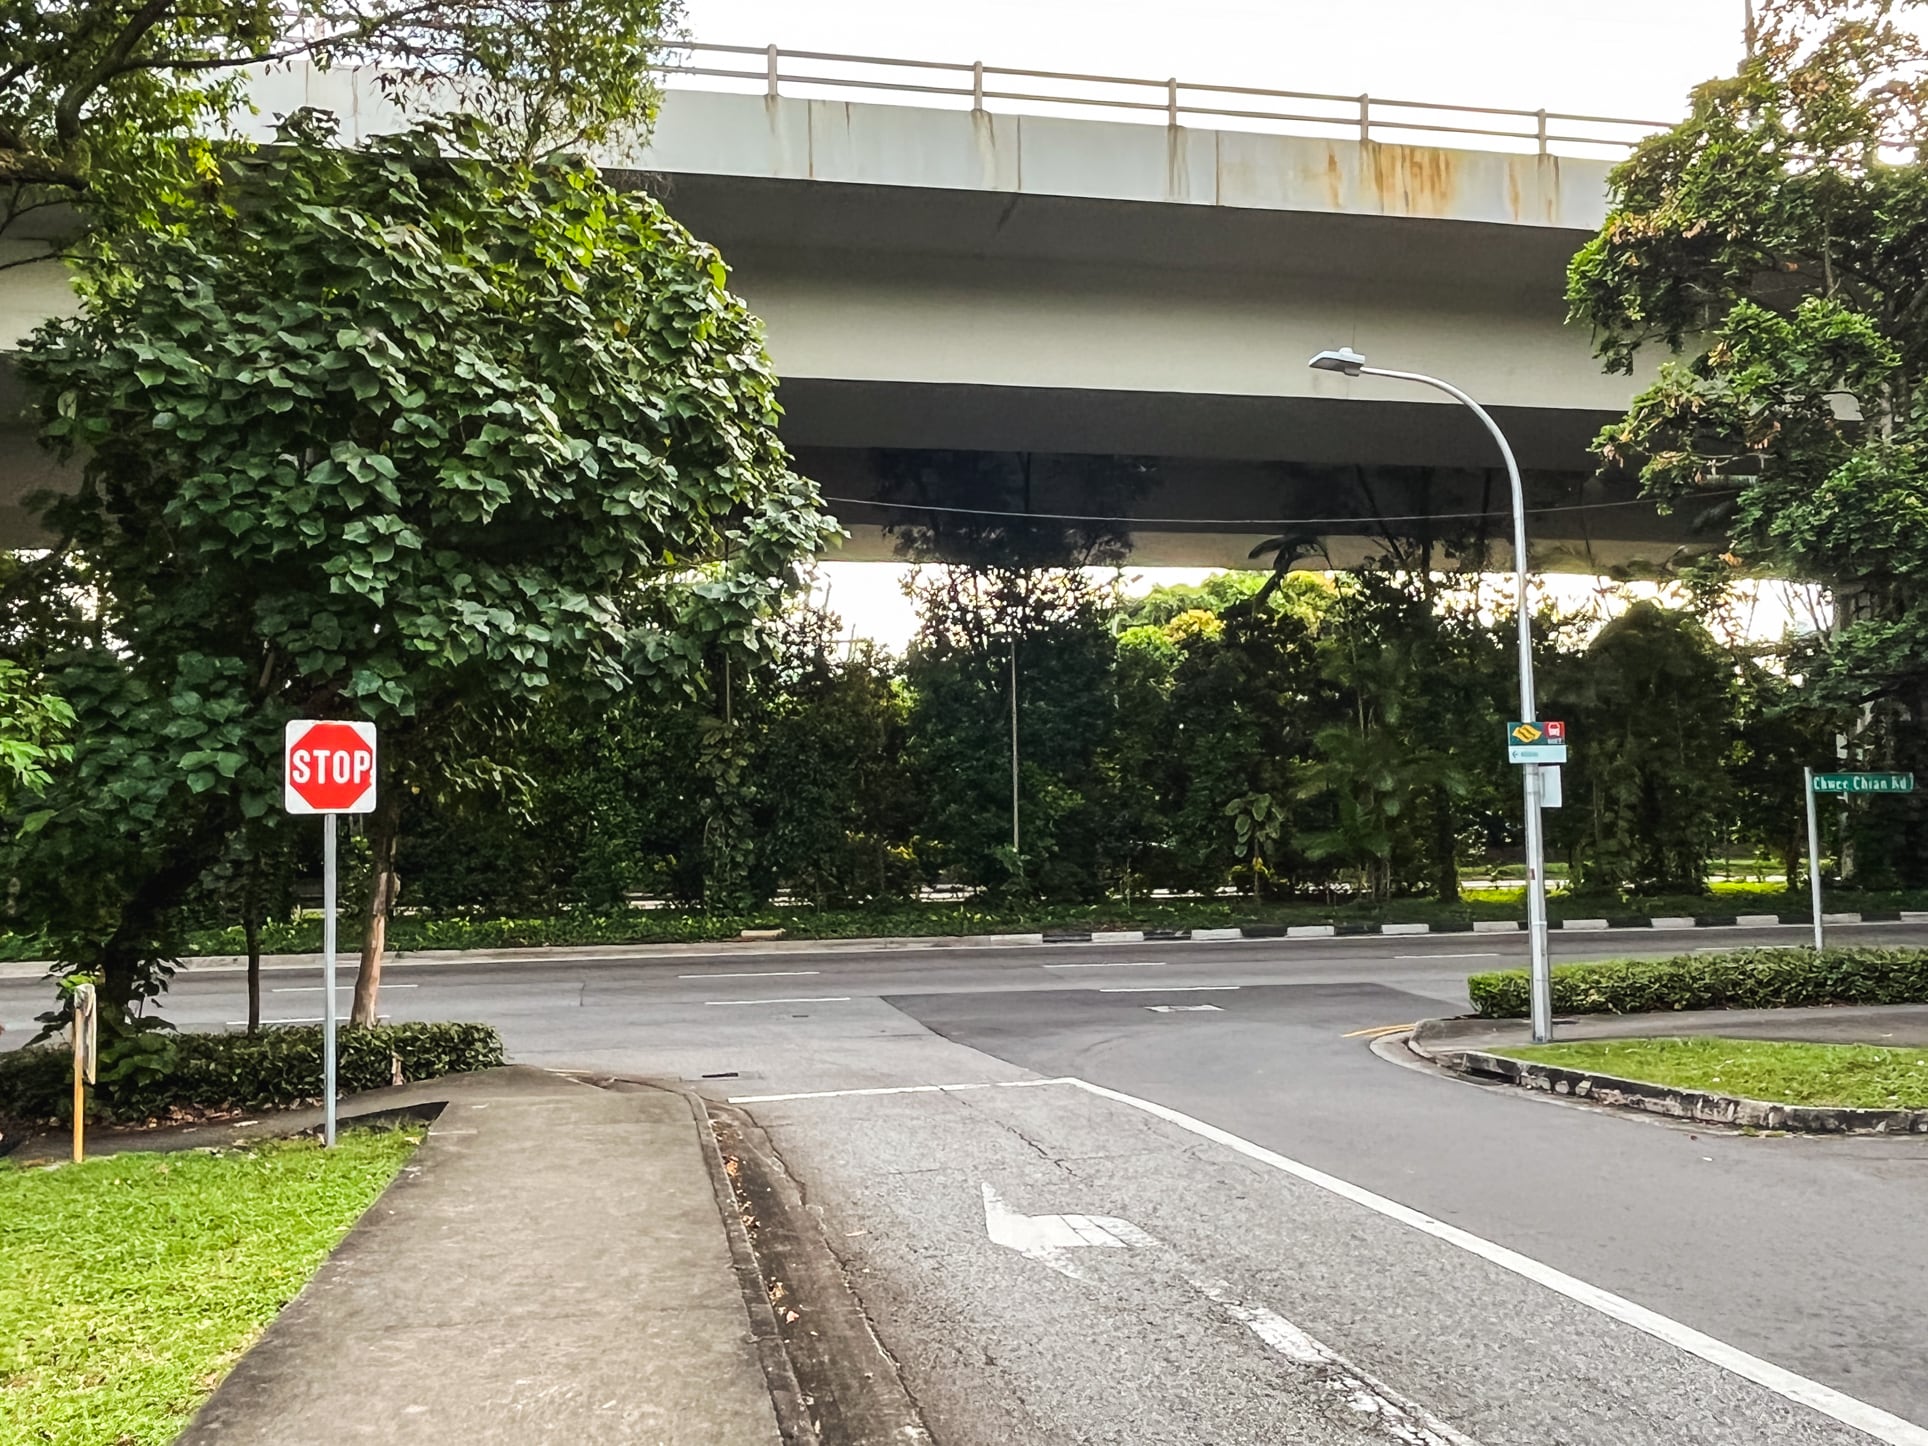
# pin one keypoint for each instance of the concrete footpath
(552, 1266)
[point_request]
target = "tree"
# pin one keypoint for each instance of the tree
(33, 729)
(979, 628)
(1247, 697)
(1652, 703)
(1781, 233)
(415, 435)
(836, 809)
(1389, 757)
(128, 105)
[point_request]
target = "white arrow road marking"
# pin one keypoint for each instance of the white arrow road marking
(1184, 1009)
(1399, 1419)
(1046, 1237)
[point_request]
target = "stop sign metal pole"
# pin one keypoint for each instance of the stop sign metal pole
(328, 767)
(329, 823)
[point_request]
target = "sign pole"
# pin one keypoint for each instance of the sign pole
(1814, 854)
(328, 825)
(328, 767)
(86, 1045)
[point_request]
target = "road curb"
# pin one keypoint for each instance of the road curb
(725, 948)
(1702, 1107)
(847, 1379)
(787, 1398)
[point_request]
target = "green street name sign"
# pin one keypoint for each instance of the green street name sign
(1864, 783)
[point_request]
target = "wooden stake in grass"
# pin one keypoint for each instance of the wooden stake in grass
(86, 1045)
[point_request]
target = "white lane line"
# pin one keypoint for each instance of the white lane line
(936, 1089)
(813, 999)
(1493, 955)
(1392, 1413)
(1115, 964)
(340, 988)
(756, 974)
(1837, 1405)
(1369, 1396)
(1166, 988)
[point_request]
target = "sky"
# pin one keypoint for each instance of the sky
(1635, 58)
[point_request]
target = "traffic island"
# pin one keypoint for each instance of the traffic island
(1799, 1070)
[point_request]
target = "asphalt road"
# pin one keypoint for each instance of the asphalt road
(1204, 1240)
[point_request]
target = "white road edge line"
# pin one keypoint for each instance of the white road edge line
(814, 999)
(1482, 955)
(1394, 1414)
(339, 988)
(1114, 964)
(1837, 1405)
(936, 1089)
(756, 974)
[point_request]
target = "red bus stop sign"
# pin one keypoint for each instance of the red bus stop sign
(328, 767)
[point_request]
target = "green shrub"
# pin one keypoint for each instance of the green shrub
(150, 1072)
(1737, 979)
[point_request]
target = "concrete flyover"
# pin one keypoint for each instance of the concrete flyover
(1103, 307)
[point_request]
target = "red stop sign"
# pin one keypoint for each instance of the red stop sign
(328, 767)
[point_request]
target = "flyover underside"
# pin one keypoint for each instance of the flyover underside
(1201, 481)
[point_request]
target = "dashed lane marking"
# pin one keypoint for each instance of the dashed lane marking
(755, 974)
(814, 999)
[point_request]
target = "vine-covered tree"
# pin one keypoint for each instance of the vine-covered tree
(415, 435)
(1780, 236)
(130, 105)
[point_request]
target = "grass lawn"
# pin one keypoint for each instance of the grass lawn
(129, 1284)
(1758, 1069)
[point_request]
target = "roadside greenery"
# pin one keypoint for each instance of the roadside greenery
(1334, 749)
(135, 1281)
(418, 435)
(132, 109)
(1737, 979)
(159, 1072)
(1860, 1076)
(422, 929)
(1774, 244)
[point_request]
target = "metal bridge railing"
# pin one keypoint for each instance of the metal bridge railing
(1362, 117)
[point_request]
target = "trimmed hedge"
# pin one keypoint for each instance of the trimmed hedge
(150, 1073)
(1737, 979)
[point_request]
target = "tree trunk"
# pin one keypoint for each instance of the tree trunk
(1445, 848)
(383, 885)
(251, 931)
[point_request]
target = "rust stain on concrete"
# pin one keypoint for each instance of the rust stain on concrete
(1412, 180)
(1335, 181)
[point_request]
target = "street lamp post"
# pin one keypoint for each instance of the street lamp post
(1350, 363)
